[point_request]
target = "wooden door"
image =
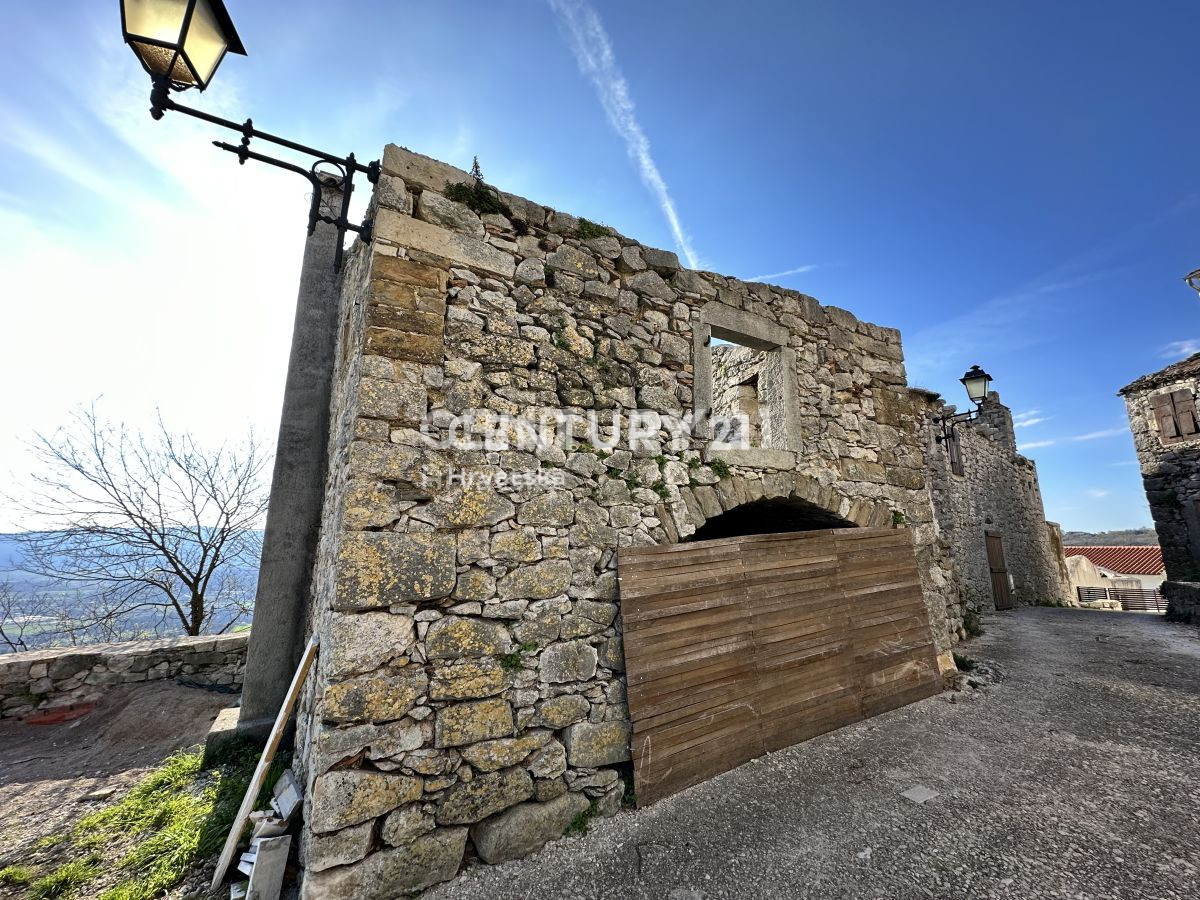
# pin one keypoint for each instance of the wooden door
(740, 646)
(1001, 595)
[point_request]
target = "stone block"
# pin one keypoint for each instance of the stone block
(565, 662)
(364, 642)
(537, 582)
(406, 825)
(458, 637)
(348, 797)
(414, 234)
(338, 848)
(549, 762)
(334, 745)
(592, 744)
(468, 680)
(379, 569)
(403, 403)
(435, 209)
(467, 723)
(559, 712)
(374, 699)
(489, 756)
(519, 831)
(387, 874)
(475, 800)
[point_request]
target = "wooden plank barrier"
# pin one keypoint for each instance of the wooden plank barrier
(741, 646)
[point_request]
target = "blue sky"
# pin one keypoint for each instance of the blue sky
(1013, 185)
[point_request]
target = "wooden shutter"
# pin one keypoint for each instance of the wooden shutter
(1185, 413)
(1163, 407)
(954, 450)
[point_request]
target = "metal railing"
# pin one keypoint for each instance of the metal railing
(1131, 599)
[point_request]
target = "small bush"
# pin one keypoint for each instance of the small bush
(660, 487)
(964, 663)
(720, 468)
(586, 230)
(480, 196)
(898, 518)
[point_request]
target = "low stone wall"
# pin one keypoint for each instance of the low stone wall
(49, 679)
(1183, 601)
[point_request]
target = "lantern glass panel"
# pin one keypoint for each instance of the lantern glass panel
(205, 43)
(158, 20)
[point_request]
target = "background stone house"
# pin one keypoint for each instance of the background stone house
(1166, 435)
(988, 506)
(470, 687)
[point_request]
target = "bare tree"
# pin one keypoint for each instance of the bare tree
(12, 621)
(149, 528)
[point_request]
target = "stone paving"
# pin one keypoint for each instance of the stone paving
(1077, 776)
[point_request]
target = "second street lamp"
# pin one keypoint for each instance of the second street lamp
(180, 44)
(978, 383)
(1193, 280)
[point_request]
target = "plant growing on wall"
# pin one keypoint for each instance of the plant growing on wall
(477, 194)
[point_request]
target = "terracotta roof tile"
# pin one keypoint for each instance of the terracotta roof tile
(1123, 560)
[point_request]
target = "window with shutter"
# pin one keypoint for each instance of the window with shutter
(1175, 415)
(1185, 413)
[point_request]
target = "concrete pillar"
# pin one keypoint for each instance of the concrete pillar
(297, 486)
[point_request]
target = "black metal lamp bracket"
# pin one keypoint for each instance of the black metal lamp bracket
(344, 168)
(950, 424)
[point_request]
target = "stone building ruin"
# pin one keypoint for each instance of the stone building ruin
(470, 694)
(1166, 435)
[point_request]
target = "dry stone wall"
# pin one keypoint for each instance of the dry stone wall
(997, 493)
(50, 679)
(469, 695)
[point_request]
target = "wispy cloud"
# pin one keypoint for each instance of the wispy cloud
(594, 53)
(799, 270)
(1180, 349)
(1125, 462)
(1097, 435)
(1097, 493)
(1028, 418)
(1033, 445)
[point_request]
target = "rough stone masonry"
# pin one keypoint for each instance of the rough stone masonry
(1166, 435)
(469, 696)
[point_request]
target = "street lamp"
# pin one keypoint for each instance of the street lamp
(180, 44)
(1193, 280)
(978, 383)
(183, 40)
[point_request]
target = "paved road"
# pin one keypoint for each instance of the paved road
(1078, 776)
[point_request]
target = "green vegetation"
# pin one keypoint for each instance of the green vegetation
(480, 196)
(587, 229)
(898, 518)
(660, 487)
(63, 881)
(579, 825)
(964, 663)
(16, 875)
(173, 819)
(512, 662)
(719, 467)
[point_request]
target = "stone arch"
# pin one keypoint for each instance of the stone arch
(794, 494)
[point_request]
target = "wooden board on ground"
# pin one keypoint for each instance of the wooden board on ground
(740, 646)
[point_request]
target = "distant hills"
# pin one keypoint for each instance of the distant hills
(1130, 537)
(34, 594)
